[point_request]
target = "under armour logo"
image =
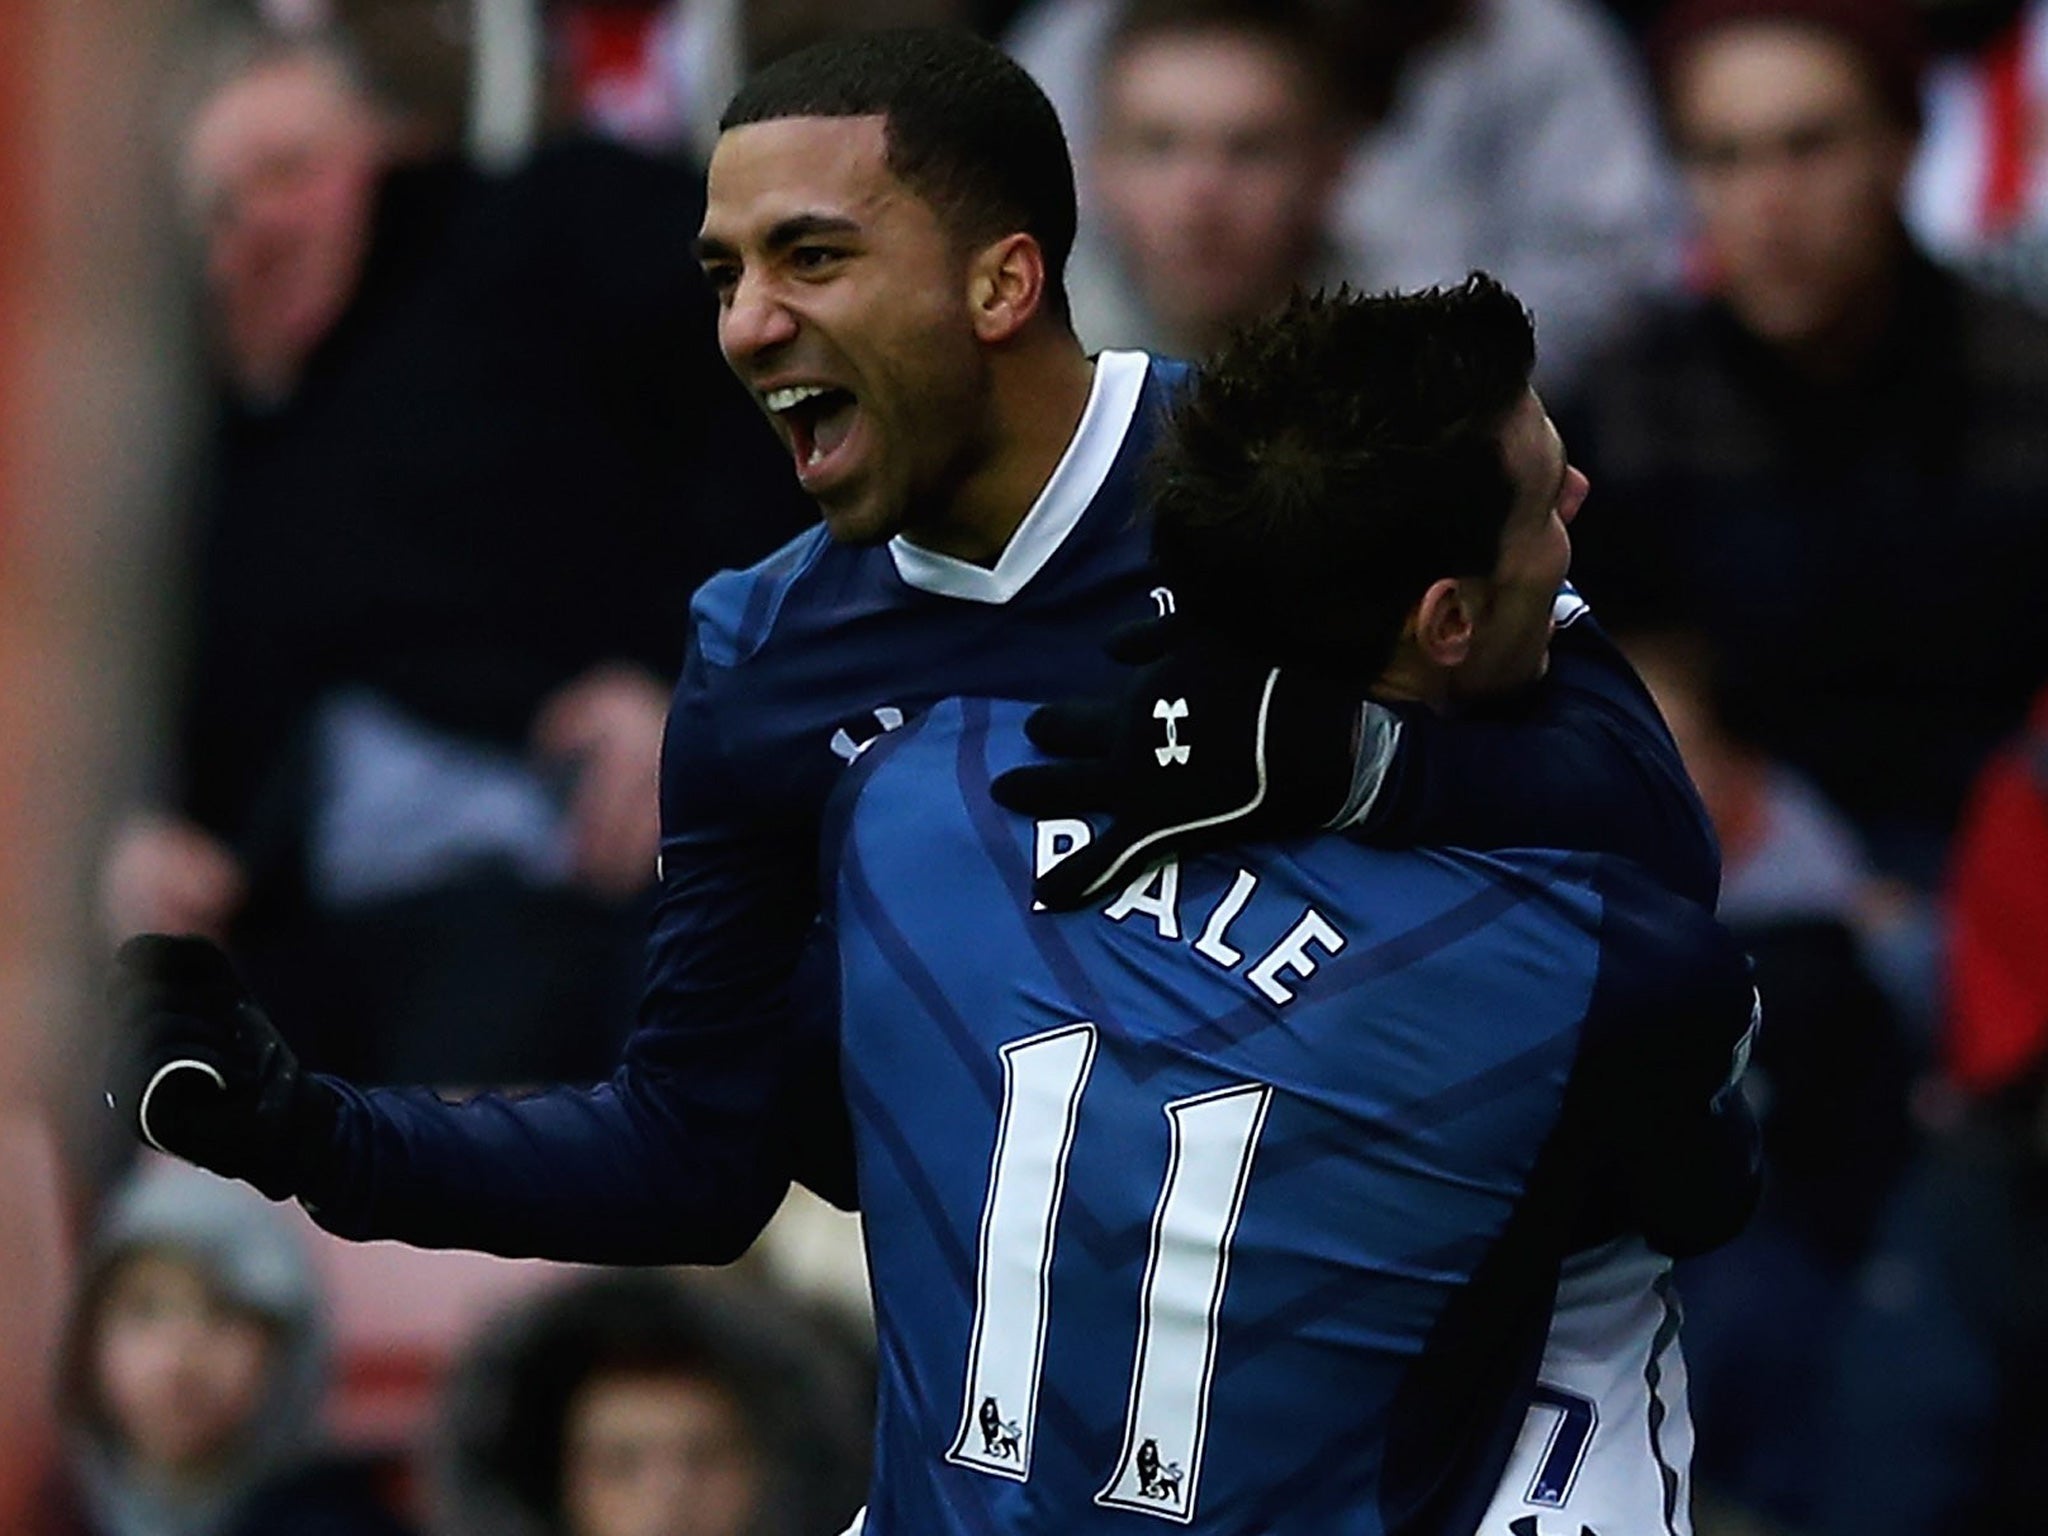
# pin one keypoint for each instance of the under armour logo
(1172, 713)
(848, 746)
(1162, 599)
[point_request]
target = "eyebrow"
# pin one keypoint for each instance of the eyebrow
(794, 230)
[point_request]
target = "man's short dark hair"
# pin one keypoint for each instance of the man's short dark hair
(968, 130)
(1330, 463)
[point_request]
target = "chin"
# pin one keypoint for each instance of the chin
(859, 524)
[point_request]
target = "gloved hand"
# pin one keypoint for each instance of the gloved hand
(200, 1072)
(1204, 748)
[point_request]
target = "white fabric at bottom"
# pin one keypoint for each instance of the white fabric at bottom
(1613, 1343)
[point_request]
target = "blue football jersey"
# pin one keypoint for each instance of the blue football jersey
(795, 665)
(729, 1089)
(1238, 1203)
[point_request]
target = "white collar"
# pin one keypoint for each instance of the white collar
(1112, 402)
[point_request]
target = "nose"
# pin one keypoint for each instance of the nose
(1576, 485)
(754, 322)
(1199, 180)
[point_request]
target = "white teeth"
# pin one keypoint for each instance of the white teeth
(792, 394)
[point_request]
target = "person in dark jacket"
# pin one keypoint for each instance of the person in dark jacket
(1833, 463)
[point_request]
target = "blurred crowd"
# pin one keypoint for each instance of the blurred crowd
(465, 447)
(201, 1384)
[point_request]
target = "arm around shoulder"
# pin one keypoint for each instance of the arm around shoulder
(1673, 1021)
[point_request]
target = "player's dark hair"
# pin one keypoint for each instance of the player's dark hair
(967, 130)
(1330, 463)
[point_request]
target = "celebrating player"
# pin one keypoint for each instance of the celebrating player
(886, 222)
(887, 219)
(1243, 1200)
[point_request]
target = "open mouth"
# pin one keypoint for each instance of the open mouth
(819, 419)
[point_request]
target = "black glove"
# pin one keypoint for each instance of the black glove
(1204, 748)
(201, 1073)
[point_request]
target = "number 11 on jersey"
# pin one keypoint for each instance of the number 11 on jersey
(1213, 1136)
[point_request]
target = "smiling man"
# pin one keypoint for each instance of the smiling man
(903, 326)
(887, 221)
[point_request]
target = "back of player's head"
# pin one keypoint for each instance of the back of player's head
(968, 130)
(1331, 463)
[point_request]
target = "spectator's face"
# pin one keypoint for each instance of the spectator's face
(654, 1455)
(1512, 624)
(280, 170)
(180, 1374)
(1796, 172)
(845, 307)
(1215, 166)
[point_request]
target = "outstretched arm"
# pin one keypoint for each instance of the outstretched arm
(681, 1157)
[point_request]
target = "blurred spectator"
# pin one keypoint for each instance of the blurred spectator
(636, 1404)
(192, 1371)
(1220, 142)
(1511, 135)
(1998, 919)
(1789, 857)
(472, 449)
(1942, 1420)
(660, 74)
(1834, 466)
(418, 51)
(1829, 1081)
(1978, 192)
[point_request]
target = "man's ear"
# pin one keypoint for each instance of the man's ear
(1005, 286)
(1443, 622)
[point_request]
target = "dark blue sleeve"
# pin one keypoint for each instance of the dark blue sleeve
(1677, 1153)
(1583, 761)
(684, 1155)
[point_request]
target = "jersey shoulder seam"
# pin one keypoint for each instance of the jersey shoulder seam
(734, 619)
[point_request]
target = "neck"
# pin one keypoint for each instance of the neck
(1411, 680)
(1038, 393)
